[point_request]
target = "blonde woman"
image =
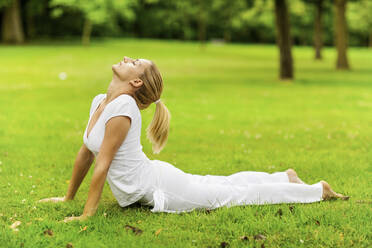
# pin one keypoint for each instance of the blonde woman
(112, 136)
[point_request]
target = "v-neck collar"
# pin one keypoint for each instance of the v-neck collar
(99, 117)
(90, 118)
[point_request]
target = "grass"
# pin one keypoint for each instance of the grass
(229, 113)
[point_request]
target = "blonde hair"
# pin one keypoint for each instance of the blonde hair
(150, 91)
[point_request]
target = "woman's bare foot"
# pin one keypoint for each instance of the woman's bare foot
(292, 176)
(329, 194)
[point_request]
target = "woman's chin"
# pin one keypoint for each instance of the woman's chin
(114, 66)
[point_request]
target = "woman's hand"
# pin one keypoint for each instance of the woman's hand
(72, 218)
(53, 199)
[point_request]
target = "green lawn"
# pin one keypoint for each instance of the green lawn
(229, 113)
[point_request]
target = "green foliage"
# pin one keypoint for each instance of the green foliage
(302, 18)
(260, 19)
(359, 16)
(238, 20)
(229, 114)
(4, 3)
(36, 7)
(226, 15)
(123, 8)
(95, 10)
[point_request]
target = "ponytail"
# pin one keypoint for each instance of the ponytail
(157, 131)
(150, 92)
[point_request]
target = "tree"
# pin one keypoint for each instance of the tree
(258, 21)
(341, 34)
(318, 29)
(225, 12)
(202, 13)
(174, 19)
(95, 12)
(12, 29)
(198, 10)
(318, 26)
(359, 17)
(33, 10)
(284, 39)
(184, 8)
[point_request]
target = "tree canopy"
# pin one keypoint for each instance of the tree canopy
(236, 21)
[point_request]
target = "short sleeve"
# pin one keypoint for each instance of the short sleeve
(122, 107)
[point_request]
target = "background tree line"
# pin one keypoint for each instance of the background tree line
(303, 22)
(250, 21)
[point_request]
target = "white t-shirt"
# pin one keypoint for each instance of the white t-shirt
(124, 176)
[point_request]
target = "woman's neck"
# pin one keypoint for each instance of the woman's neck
(117, 88)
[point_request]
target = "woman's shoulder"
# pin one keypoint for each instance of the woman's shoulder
(123, 100)
(99, 97)
(122, 105)
(126, 98)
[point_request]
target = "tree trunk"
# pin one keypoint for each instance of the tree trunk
(202, 28)
(30, 26)
(341, 35)
(318, 29)
(12, 30)
(87, 30)
(283, 38)
(227, 35)
(186, 26)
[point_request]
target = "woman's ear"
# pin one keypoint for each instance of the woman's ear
(136, 83)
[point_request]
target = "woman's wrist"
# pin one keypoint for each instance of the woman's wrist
(88, 212)
(83, 217)
(68, 198)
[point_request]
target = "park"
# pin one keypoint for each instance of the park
(233, 106)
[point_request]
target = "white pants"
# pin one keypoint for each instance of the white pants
(169, 189)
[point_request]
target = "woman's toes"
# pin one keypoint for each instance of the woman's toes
(329, 194)
(342, 197)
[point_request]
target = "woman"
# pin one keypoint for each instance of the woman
(112, 136)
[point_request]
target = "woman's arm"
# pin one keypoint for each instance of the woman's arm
(83, 161)
(115, 133)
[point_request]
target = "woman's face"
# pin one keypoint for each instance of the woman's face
(130, 69)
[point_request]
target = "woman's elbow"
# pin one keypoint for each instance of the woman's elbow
(101, 169)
